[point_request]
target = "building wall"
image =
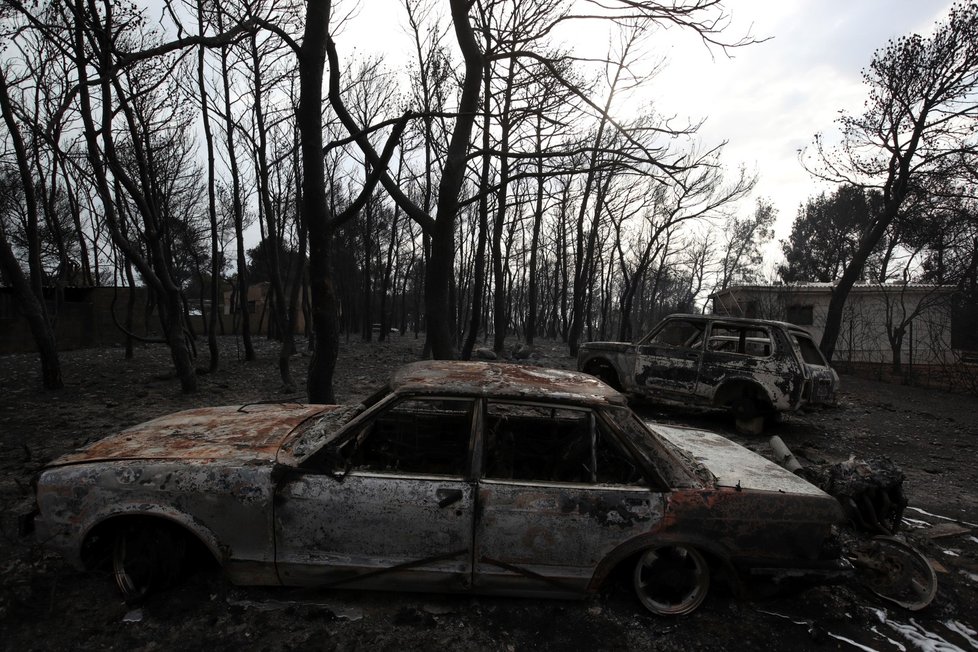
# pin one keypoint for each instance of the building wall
(864, 336)
(258, 310)
(83, 318)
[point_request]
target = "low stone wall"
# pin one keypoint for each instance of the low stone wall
(956, 377)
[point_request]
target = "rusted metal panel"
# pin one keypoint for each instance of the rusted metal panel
(732, 464)
(778, 373)
(249, 433)
(502, 381)
(756, 528)
(255, 485)
(418, 528)
(713, 361)
(229, 508)
(667, 371)
(529, 531)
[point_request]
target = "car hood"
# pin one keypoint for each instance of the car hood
(732, 464)
(246, 434)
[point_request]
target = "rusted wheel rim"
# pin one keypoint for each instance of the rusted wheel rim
(896, 572)
(671, 580)
(136, 562)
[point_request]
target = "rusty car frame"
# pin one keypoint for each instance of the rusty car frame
(753, 368)
(457, 477)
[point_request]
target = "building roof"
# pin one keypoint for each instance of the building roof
(827, 287)
(732, 319)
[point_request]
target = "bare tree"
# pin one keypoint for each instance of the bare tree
(919, 118)
(742, 241)
(235, 194)
(28, 290)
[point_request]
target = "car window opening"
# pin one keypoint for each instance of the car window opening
(679, 333)
(547, 444)
(754, 342)
(415, 436)
(809, 352)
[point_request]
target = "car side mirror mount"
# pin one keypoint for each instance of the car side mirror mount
(334, 463)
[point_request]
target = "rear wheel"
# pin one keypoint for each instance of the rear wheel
(146, 557)
(671, 580)
(748, 417)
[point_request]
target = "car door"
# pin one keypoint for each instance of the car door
(557, 495)
(396, 508)
(668, 360)
(822, 379)
(753, 353)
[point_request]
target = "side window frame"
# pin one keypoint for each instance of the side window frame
(360, 428)
(695, 342)
(742, 339)
(609, 437)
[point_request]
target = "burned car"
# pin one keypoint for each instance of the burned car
(457, 477)
(750, 367)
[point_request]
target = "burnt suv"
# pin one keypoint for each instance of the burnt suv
(750, 367)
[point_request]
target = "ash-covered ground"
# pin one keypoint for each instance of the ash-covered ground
(45, 605)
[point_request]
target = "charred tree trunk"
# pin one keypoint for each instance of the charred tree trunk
(532, 282)
(29, 293)
(479, 262)
(272, 246)
(500, 315)
(315, 203)
(236, 206)
(439, 302)
(211, 201)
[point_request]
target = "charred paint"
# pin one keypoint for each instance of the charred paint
(762, 527)
(247, 433)
(607, 513)
(502, 381)
(231, 476)
(659, 367)
(772, 370)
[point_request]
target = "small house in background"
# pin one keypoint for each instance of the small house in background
(88, 317)
(259, 309)
(83, 317)
(937, 329)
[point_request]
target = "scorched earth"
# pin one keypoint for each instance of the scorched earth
(44, 604)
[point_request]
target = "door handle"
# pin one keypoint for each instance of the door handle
(448, 497)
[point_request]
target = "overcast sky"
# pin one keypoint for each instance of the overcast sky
(772, 97)
(769, 99)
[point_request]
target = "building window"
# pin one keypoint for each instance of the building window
(801, 315)
(252, 307)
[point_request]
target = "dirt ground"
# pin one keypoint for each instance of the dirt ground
(45, 605)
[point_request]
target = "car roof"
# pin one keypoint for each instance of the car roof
(502, 380)
(737, 320)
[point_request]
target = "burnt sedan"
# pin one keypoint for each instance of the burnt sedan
(458, 477)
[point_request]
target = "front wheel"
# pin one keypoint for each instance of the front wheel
(895, 571)
(671, 580)
(146, 558)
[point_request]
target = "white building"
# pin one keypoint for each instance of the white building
(934, 332)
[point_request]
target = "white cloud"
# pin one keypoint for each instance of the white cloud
(767, 100)
(770, 99)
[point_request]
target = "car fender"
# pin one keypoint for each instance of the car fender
(730, 386)
(619, 356)
(168, 513)
(635, 545)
